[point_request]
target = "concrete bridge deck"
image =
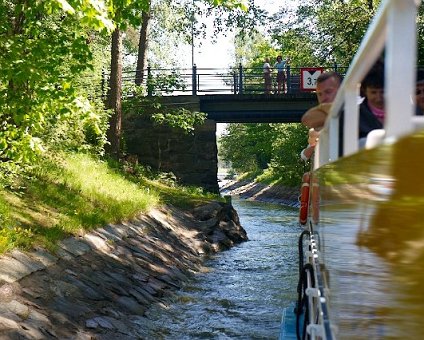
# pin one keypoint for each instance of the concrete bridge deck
(248, 108)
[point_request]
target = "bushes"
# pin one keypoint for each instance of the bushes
(275, 147)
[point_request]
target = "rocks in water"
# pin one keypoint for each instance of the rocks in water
(101, 285)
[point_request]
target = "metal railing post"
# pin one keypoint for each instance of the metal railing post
(194, 81)
(235, 81)
(289, 82)
(149, 82)
(240, 79)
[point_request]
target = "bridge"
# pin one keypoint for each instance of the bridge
(231, 95)
(227, 96)
(247, 108)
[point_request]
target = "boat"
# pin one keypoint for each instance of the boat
(361, 251)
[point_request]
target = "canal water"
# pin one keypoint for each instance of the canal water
(244, 290)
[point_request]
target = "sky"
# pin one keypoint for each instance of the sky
(220, 54)
(210, 55)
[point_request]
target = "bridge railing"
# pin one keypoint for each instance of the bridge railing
(202, 81)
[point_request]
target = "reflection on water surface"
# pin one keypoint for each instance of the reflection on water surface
(372, 240)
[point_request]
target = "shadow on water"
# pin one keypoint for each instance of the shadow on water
(243, 293)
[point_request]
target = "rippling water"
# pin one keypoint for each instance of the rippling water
(246, 288)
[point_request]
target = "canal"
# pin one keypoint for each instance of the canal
(243, 292)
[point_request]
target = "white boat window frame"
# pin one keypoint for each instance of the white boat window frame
(393, 28)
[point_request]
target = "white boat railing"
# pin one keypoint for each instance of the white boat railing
(393, 29)
(319, 327)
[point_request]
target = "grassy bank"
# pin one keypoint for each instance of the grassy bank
(266, 177)
(73, 193)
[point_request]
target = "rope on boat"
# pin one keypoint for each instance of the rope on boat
(302, 306)
(300, 246)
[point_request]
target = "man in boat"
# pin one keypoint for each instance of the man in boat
(328, 84)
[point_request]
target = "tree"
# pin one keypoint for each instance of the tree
(326, 30)
(129, 14)
(142, 45)
(123, 14)
(115, 95)
(44, 49)
(272, 147)
(286, 164)
(247, 146)
(420, 34)
(175, 22)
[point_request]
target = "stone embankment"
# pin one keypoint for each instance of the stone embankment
(100, 285)
(257, 191)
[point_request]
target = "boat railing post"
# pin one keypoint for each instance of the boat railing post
(400, 64)
(351, 121)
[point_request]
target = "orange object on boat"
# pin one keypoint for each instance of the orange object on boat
(304, 199)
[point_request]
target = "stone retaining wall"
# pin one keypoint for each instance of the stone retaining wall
(192, 158)
(100, 285)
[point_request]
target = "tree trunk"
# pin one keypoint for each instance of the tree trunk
(114, 98)
(142, 47)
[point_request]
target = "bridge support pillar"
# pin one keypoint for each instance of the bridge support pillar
(191, 158)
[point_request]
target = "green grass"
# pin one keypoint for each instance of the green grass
(179, 196)
(268, 177)
(74, 193)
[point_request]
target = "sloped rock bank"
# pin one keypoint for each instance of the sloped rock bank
(100, 285)
(254, 191)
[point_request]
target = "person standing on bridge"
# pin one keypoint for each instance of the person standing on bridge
(267, 76)
(280, 66)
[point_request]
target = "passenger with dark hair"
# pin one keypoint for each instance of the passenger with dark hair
(419, 93)
(371, 110)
